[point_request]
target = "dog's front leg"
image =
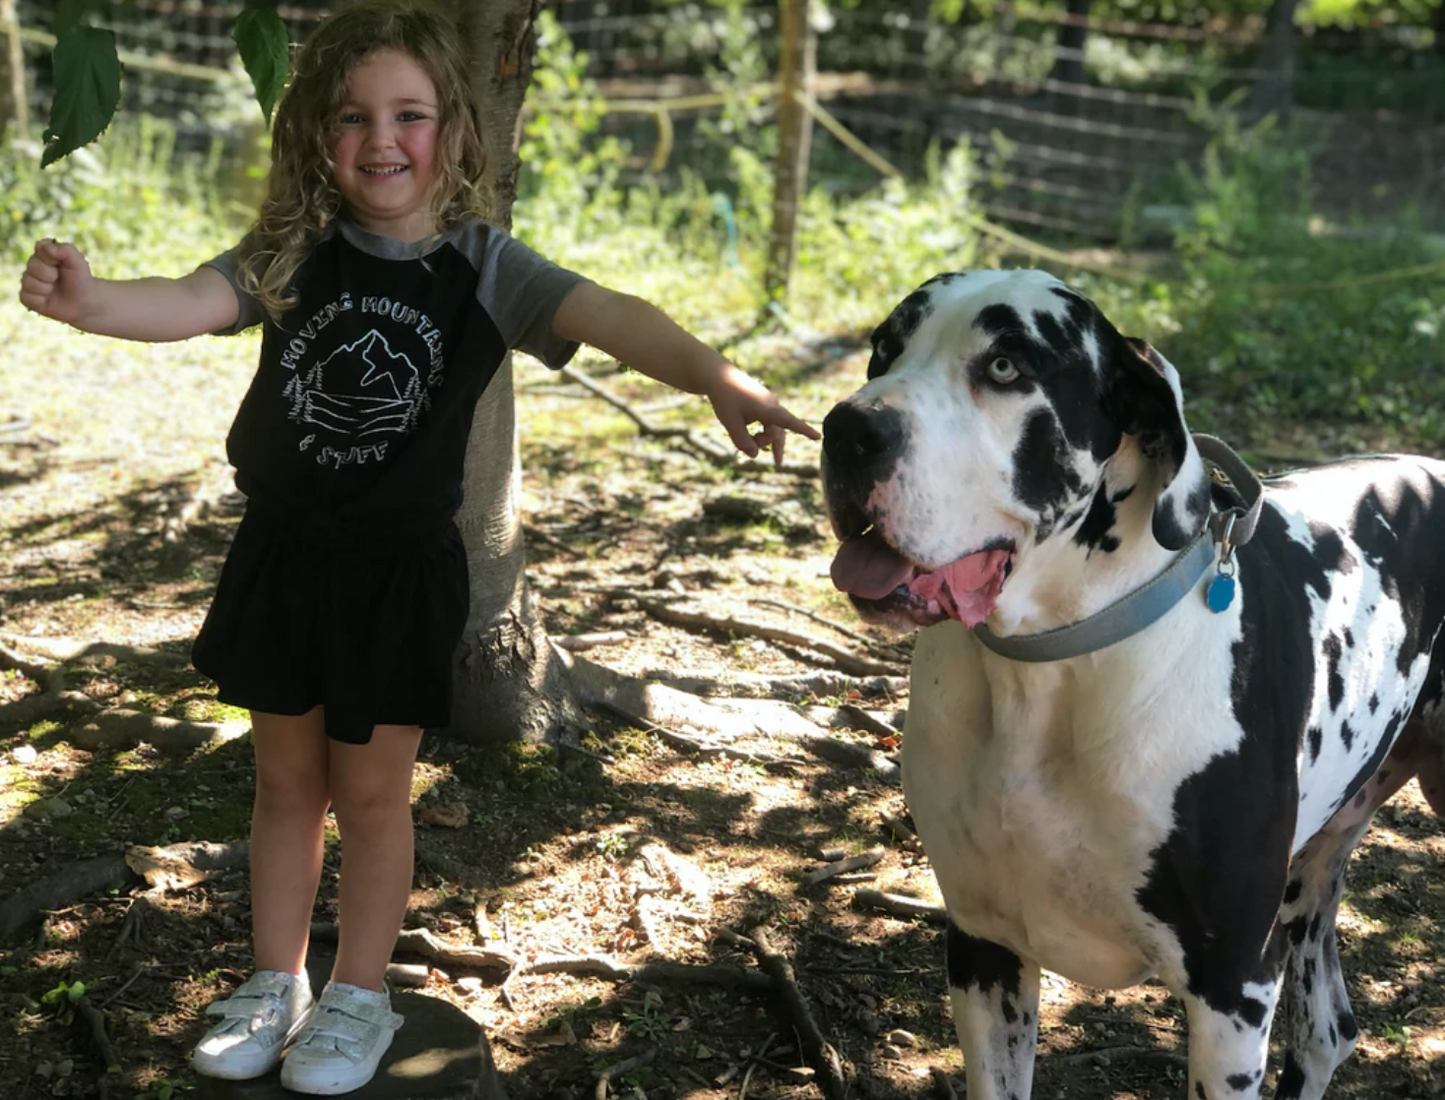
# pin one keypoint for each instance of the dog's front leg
(1229, 1045)
(995, 998)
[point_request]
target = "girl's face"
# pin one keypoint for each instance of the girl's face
(383, 145)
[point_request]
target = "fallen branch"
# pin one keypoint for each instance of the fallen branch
(94, 1019)
(818, 1052)
(843, 866)
(421, 941)
(1107, 1055)
(905, 836)
(894, 651)
(844, 660)
(576, 643)
(697, 443)
(761, 685)
(657, 972)
(627, 1065)
(900, 906)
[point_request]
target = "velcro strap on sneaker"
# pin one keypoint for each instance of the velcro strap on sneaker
(263, 1008)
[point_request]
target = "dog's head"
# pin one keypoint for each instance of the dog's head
(995, 404)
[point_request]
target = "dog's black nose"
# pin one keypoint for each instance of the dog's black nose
(858, 438)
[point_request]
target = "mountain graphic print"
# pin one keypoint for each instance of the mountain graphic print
(361, 390)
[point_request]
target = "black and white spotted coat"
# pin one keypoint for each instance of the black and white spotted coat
(1184, 802)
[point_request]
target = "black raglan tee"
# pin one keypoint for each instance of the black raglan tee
(356, 422)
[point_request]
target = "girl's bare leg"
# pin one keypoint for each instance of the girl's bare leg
(286, 834)
(371, 792)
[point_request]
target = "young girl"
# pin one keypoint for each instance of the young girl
(388, 303)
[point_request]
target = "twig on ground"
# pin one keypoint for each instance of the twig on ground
(900, 906)
(139, 970)
(817, 1050)
(662, 971)
(697, 443)
(627, 1065)
(944, 1083)
(905, 836)
(577, 643)
(843, 866)
(844, 660)
(130, 927)
(890, 648)
(1107, 1055)
(95, 1020)
(421, 941)
(759, 685)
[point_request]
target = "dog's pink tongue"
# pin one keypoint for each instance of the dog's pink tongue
(966, 589)
(867, 567)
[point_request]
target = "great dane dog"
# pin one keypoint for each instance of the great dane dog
(1181, 801)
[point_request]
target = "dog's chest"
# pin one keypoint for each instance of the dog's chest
(1039, 828)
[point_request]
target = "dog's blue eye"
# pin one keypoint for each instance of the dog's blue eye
(1003, 371)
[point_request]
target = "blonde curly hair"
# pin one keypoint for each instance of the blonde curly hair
(301, 195)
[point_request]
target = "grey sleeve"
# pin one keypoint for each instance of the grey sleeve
(521, 290)
(228, 263)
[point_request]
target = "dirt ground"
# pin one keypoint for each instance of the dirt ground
(657, 855)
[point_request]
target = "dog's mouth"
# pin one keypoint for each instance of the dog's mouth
(883, 581)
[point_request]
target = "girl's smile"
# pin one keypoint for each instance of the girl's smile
(383, 145)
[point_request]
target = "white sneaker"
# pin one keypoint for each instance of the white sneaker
(341, 1046)
(259, 1018)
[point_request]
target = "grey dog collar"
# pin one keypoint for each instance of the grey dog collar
(1147, 605)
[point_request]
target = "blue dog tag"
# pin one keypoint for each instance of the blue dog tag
(1220, 593)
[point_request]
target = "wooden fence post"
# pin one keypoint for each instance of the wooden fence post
(14, 107)
(796, 70)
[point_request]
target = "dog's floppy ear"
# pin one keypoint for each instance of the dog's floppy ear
(1149, 404)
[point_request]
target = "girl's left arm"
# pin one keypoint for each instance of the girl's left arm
(639, 334)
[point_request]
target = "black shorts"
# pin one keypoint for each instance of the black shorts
(367, 631)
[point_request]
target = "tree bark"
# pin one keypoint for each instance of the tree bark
(509, 683)
(14, 108)
(1274, 80)
(1073, 36)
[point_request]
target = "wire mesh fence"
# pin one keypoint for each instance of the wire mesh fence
(1089, 128)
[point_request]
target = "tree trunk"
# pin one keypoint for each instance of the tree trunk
(1069, 59)
(1274, 78)
(14, 110)
(509, 683)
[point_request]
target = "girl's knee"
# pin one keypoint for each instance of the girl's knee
(279, 790)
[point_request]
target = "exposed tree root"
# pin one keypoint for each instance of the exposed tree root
(819, 1053)
(117, 728)
(64, 888)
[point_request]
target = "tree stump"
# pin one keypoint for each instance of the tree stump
(440, 1053)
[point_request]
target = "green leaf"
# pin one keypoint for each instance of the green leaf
(87, 91)
(70, 14)
(75, 992)
(261, 37)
